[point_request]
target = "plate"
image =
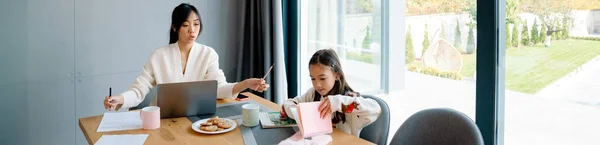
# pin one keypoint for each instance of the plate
(196, 126)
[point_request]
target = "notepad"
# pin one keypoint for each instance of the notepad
(310, 122)
(126, 139)
(116, 121)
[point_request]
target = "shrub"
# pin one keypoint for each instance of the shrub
(430, 71)
(412, 68)
(525, 35)
(367, 40)
(470, 42)
(443, 33)
(515, 36)
(543, 33)
(586, 38)
(451, 75)
(535, 34)
(409, 47)
(566, 27)
(445, 74)
(508, 40)
(457, 36)
(425, 41)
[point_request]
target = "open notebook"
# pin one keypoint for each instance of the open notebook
(309, 120)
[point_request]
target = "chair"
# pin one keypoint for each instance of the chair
(377, 132)
(438, 126)
(147, 99)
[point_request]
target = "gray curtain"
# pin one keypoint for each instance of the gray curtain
(262, 46)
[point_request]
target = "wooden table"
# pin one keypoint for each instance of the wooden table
(179, 131)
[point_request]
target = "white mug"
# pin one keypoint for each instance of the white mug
(250, 115)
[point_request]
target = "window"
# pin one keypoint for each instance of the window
(353, 29)
(552, 72)
(439, 66)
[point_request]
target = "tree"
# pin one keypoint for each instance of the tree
(425, 41)
(470, 42)
(512, 11)
(543, 33)
(549, 12)
(409, 47)
(443, 34)
(535, 34)
(567, 26)
(525, 35)
(515, 36)
(457, 36)
(508, 40)
(367, 40)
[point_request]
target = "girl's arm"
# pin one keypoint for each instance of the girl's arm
(308, 96)
(366, 109)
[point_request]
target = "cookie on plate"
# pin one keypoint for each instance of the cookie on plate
(224, 125)
(209, 128)
(206, 124)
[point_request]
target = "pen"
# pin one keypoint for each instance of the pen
(110, 94)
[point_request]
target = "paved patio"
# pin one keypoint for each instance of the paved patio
(529, 119)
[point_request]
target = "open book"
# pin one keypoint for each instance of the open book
(309, 120)
(274, 120)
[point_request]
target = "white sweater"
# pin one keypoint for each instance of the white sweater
(164, 66)
(366, 113)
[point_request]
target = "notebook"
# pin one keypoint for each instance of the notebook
(310, 122)
(274, 120)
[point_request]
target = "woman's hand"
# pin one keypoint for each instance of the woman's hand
(325, 107)
(111, 102)
(258, 85)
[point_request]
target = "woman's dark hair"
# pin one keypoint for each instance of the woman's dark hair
(180, 15)
(329, 58)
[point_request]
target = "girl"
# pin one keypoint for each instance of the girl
(350, 111)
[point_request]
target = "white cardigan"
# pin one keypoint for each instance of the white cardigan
(164, 66)
(366, 113)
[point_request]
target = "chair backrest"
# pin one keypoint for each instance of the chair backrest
(377, 132)
(438, 126)
(151, 94)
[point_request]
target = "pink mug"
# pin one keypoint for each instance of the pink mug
(150, 117)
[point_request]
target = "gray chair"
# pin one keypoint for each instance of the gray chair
(377, 132)
(436, 127)
(147, 99)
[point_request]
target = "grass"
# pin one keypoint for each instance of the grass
(367, 58)
(531, 68)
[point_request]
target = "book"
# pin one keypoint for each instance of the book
(274, 120)
(310, 122)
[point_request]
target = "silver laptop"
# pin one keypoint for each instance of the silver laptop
(187, 99)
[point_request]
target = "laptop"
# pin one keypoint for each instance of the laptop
(184, 99)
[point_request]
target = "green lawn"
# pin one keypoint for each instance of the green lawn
(531, 68)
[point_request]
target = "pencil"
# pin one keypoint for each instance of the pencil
(269, 71)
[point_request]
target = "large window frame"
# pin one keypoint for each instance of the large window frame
(490, 63)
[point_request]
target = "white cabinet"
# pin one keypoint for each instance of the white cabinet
(51, 112)
(115, 36)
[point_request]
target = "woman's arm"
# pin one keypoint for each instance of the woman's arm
(225, 89)
(140, 87)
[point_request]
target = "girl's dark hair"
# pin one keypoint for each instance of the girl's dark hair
(329, 58)
(180, 15)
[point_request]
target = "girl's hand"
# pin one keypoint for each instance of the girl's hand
(258, 85)
(325, 107)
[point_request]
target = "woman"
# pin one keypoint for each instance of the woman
(183, 60)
